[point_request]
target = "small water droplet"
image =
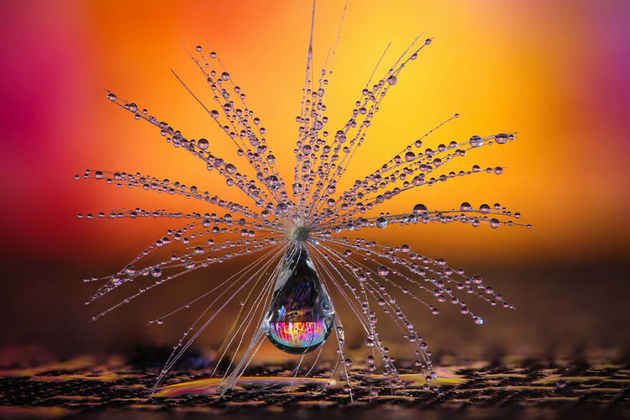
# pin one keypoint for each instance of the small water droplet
(381, 222)
(476, 141)
(420, 209)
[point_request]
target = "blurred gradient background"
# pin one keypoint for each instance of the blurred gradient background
(557, 72)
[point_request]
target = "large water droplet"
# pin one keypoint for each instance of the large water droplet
(300, 316)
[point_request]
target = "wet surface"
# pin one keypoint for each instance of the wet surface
(81, 387)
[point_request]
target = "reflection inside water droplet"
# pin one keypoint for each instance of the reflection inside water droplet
(300, 316)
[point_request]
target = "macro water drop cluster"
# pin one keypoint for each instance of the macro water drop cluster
(300, 265)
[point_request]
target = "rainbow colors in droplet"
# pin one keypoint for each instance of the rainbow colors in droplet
(298, 334)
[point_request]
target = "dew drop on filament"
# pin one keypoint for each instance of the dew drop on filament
(300, 316)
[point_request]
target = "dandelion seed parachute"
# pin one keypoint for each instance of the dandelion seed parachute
(294, 234)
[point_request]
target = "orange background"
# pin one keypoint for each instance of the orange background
(556, 72)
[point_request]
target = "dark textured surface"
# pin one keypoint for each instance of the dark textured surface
(81, 387)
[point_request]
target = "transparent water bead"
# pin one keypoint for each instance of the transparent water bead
(300, 317)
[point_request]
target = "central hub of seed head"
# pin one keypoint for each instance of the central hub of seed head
(299, 233)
